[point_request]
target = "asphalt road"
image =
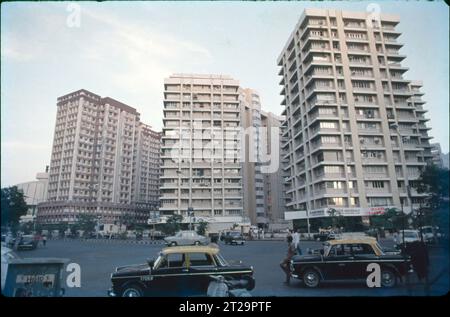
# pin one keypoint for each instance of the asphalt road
(99, 258)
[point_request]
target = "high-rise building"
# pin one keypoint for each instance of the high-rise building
(147, 166)
(104, 161)
(274, 180)
(201, 164)
(355, 127)
(253, 179)
(438, 158)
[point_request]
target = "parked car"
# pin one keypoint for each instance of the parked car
(234, 237)
(347, 259)
(430, 234)
(325, 236)
(188, 237)
(409, 236)
(27, 242)
(177, 271)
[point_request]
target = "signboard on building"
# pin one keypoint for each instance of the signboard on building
(346, 212)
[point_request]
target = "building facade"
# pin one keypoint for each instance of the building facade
(99, 163)
(274, 193)
(201, 164)
(437, 155)
(355, 129)
(253, 179)
(35, 192)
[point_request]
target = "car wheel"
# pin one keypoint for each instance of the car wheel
(132, 290)
(173, 244)
(197, 242)
(388, 278)
(311, 278)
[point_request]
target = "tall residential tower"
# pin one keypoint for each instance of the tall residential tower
(355, 127)
(104, 162)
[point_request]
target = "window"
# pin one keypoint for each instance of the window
(200, 259)
(173, 261)
(328, 125)
(332, 169)
(340, 250)
(378, 184)
(362, 249)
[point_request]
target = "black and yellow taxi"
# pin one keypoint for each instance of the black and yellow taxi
(348, 259)
(177, 271)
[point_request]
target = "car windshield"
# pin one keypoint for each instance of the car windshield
(412, 235)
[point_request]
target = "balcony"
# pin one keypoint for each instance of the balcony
(331, 192)
(375, 176)
(378, 191)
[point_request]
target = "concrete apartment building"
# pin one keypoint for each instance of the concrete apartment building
(201, 163)
(35, 192)
(253, 179)
(274, 194)
(438, 157)
(103, 162)
(355, 128)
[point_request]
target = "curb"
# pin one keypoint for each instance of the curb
(113, 241)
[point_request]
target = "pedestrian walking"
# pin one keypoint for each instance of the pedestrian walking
(44, 240)
(296, 241)
(286, 262)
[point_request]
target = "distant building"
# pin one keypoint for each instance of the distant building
(104, 162)
(445, 159)
(201, 166)
(274, 195)
(438, 156)
(34, 192)
(253, 179)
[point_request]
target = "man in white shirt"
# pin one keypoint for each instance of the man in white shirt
(296, 241)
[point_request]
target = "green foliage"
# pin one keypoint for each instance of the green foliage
(435, 181)
(13, 206)
(86, 223)
(201, 228)
(172, 225)
(392, 219)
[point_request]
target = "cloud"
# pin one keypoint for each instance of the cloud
(15, 54)
(18, 146)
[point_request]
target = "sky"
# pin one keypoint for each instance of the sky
(125, 50)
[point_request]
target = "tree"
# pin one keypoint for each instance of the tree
(86, 223)
(337, 219)
(173, 224)
(434, 181)
(13, 206)
(391, 219)
(201, 228)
